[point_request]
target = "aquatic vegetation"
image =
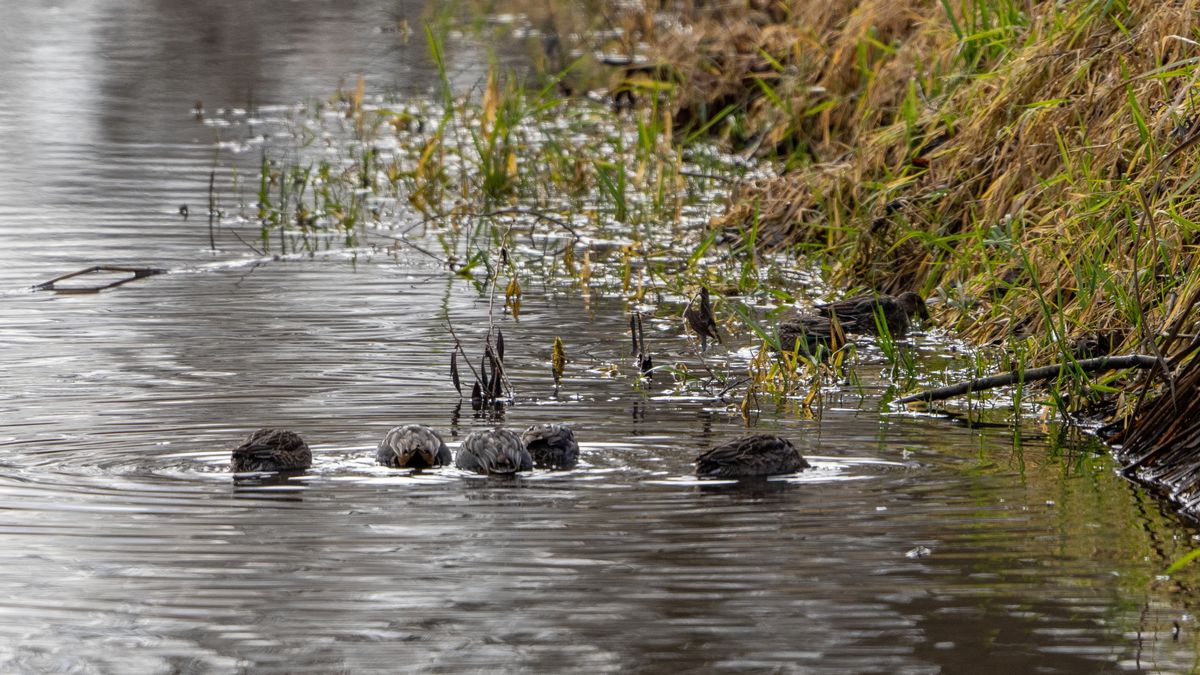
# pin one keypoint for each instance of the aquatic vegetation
(491, 385)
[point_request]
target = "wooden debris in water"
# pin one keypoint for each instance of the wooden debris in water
(137, 272)
(1032, 375)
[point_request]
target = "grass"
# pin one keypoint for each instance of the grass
(1029, 163)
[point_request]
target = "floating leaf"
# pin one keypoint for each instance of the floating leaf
(558, 359)
(512, 297)
(568, 258)
(454, 372)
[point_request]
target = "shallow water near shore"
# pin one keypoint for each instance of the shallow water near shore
(914, 544)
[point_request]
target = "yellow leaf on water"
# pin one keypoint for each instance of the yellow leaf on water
(558, 359)
(568, 258)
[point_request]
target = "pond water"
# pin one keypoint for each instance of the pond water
(915, 544)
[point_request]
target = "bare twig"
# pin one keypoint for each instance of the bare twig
(212, 210)
(530, 212)
(137, 272)
(247, 244)
(408, 242)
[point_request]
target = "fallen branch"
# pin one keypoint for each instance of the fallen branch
(1032, 375)
(137, 272)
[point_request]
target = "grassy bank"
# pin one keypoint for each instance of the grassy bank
(1030, 165)
(1026, 163)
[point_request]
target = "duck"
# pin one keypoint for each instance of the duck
(271, 450)
(858, 313)
(815, 334)
(412, 446)
(552, 446)
(493, 451)
(750, 457)
(699, 317)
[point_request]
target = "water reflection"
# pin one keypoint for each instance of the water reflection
(100, 140)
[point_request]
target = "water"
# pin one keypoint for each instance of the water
(914, 545)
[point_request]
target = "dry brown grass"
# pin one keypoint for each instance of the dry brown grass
(1026, 215)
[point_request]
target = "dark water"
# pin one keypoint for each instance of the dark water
(914, 545)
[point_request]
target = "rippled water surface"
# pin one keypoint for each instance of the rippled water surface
(913, 545)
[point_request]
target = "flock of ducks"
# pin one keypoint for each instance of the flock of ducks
(489, 451)
(503, 452)
(553, 446)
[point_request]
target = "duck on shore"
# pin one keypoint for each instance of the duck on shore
(750, 457)
(271, 450)
(813, 333)
(493, 452)
(552, 446)
(858, 313)
(412, 446)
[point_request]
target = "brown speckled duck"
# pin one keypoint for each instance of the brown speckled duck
(552, 446)
(813, 333)
(858, 314)
(271, 450)
(412, 447)
(749, 457)
(493, 451)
